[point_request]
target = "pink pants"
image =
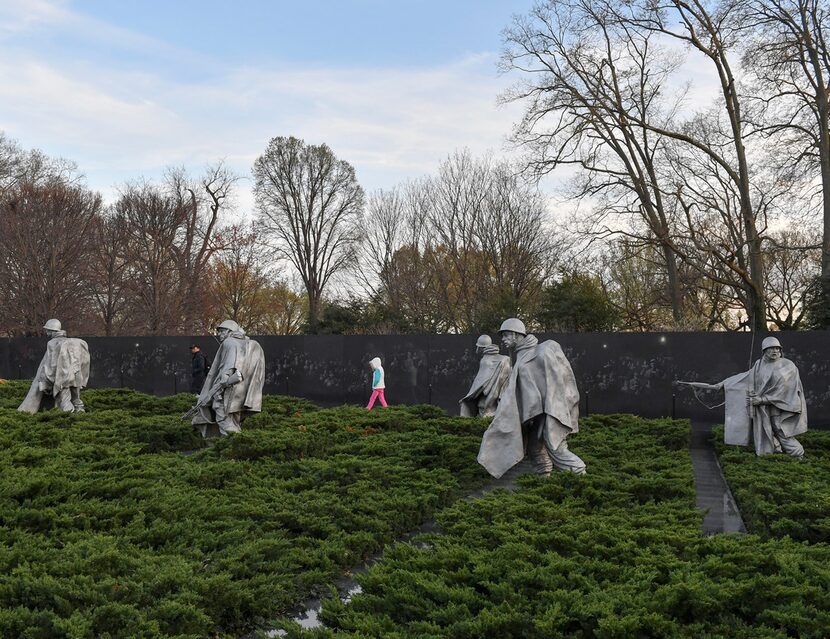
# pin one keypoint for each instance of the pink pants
(376, 394)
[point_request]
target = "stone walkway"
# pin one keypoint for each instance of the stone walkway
(713, 494)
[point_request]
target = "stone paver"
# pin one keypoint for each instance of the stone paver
(713, 494)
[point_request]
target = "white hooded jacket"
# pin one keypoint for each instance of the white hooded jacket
(377, 377)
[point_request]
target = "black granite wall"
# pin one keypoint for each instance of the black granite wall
(616, 372)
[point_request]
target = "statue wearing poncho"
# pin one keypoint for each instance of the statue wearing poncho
(765, 406)
(489, 383)
(537, 411)
(63, 372)
(233, 387)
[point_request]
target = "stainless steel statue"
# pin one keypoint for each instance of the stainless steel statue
(233, 387)
(63, 372)
(537, 411)
(764, 406)
(489, 383)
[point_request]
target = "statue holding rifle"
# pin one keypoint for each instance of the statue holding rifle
(765, 405)
(233, 387)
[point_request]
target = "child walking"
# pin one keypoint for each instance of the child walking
(378, 384)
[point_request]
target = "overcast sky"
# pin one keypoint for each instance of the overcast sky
(128, 87)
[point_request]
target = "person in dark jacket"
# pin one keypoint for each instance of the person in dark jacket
(201, 366)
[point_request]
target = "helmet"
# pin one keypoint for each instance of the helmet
(769, 342)
(513, 324)
(52, 325)
(230, 325)
(483, 340)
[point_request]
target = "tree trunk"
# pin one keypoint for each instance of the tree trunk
(313, 312)
(675, 294)
(822, 319)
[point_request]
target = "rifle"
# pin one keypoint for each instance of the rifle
(218, 385)
(701, 385)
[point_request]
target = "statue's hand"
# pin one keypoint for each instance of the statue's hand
(756, 400)
(233, 378)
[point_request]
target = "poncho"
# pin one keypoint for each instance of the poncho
(542, 383)
(241, 353)
(779, 383)
(65, 365)
(490, 381)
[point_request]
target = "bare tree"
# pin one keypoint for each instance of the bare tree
(459, 250)
(788, 56)
(400, 266)
(309, 204)
(590, 81)
(206, 200)
(712, 30)
(792, 272)
(109, 270)
(34, 167)
(153, 221)
(597, 99)
(171, 236)
(45, 245)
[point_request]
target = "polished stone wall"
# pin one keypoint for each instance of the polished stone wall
(616, 372)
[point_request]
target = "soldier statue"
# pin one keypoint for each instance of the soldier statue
(537, 411)
(493, 373)
(63, 372)
(233, 387)
(765, 406)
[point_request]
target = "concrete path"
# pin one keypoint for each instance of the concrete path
(713, 494)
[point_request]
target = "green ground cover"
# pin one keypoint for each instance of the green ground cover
(615, 554)
(778, 495)
(108, 530)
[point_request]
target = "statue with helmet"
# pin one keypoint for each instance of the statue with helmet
(62, 373)
(233, 387)
(764, 406)
(493, 373)
(538, 409)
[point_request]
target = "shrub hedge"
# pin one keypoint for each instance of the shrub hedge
(615, 554)
(778, 495)
(112, 526)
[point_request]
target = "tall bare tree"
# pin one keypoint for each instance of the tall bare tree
(153, 221)
(713, 30)
(788, 56)
(597, 91)
(45, 245)
(207, 200)
(309, 205)
(458, 250)
(589, 83)
(400, 268)
(109, 269)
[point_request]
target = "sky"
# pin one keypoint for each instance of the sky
(126, 88)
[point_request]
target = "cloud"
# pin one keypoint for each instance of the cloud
(390, 123)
